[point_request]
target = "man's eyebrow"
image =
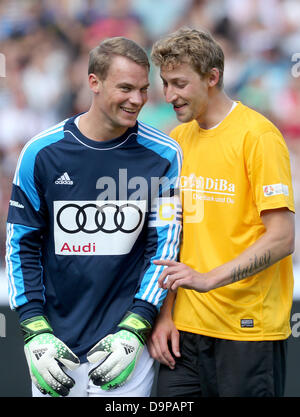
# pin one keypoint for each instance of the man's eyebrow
(126, 84)
(175, 79)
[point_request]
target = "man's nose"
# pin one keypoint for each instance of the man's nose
(137, 98)
(170, 94)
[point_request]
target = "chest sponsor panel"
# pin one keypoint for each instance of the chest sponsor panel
(97, 227)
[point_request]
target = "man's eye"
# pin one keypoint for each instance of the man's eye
(125, 89)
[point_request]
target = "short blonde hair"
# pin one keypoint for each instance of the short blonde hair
(100, 57)
(195, 47)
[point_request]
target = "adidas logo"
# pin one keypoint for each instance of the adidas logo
(64, 179)
(39, 353)
(128, 349)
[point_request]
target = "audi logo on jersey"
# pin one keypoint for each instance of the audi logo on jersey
(97, 227)
(118, 218)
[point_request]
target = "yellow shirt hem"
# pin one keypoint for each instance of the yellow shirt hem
(230, 336)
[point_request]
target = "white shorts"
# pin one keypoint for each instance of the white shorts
(139, 385)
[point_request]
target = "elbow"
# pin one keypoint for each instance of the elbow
(280, 227)
(285, 245)
(290, 245)
(290, 236)
(292, 248)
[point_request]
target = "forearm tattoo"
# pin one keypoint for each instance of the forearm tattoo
(257, 264)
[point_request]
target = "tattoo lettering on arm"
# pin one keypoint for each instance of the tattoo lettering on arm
(255, 265)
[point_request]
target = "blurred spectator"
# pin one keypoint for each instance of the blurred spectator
(18, 122)
(286, 109)
(159, 16)
(43, 81)
(119, 20)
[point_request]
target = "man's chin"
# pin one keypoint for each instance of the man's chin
(131, 123)
(128, 122)
(184, 118)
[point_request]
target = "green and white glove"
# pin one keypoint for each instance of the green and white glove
(45, 356)
(119, 352)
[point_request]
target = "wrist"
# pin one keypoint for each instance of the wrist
(166, 310)
(137, 325)
(216, 278)
(34, 326)
(165, 314)
(30, 309)
(209, 281)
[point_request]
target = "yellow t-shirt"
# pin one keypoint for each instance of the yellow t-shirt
(230, 174)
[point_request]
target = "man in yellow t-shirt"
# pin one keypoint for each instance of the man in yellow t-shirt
(226, 332)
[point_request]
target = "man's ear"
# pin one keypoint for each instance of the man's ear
(94, 83)
(213, 77)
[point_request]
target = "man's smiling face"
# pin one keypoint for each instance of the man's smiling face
(186, 90)
(123, 93)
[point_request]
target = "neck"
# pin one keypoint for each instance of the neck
(218, 107)
(96, 127)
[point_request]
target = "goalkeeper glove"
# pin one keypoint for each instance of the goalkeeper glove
(119, 352)
(45, 356)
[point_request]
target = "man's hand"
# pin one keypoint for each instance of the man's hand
(158, 344)
(164, 339)
(178, 274)
(45, 356)
(119, 353)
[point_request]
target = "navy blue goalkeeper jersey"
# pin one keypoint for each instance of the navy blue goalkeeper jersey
(86, 219)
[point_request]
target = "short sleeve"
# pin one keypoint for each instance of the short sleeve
(269, 172)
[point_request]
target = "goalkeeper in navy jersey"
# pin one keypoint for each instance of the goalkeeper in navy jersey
(94, 202)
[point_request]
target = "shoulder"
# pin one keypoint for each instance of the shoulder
(158, 141)
(44, 138)
(29, 152)
(259, 131)
(183, 132)
(255, 122)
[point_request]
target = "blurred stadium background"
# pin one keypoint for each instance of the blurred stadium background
(43, 79)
